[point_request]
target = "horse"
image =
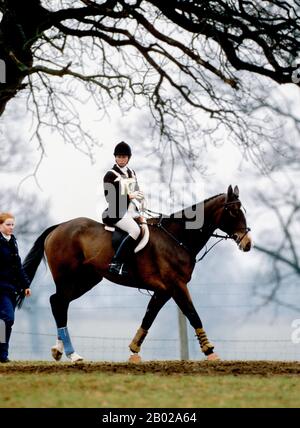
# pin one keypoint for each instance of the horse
(79, 252)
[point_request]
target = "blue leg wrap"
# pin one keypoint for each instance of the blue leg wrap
(63, 334)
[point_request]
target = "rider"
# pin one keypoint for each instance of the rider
(124, 196)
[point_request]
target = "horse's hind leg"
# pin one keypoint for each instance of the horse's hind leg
(59, 306)
(157, 301)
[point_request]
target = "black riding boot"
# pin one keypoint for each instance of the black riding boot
(118, 265)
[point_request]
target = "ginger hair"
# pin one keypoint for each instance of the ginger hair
(5, 216)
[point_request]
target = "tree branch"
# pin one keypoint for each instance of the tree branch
(277, 256)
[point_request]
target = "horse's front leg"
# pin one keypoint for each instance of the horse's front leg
(157, 301)
(183, 299)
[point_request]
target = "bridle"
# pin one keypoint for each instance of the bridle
(232, 235)
(214, 235)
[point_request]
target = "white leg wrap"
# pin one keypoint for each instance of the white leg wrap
(57, 350)
(74, 357)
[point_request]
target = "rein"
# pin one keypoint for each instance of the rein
(160, 226)
(181, 244)
(222, 237)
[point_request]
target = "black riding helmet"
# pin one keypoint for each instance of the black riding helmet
(122, 149)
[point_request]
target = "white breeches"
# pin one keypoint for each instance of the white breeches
(129, 225)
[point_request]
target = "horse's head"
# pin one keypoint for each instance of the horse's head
(233, 221)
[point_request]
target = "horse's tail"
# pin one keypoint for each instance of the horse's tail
(35, 255)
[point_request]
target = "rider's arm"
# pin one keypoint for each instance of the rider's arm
(111, 187)
(137, 193)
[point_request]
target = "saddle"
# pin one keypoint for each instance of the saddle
(119, 234)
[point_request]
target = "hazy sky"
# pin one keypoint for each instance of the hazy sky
(74, 185)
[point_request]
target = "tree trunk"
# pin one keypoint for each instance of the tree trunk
(19, 28)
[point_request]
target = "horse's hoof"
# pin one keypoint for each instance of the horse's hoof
(135, 358)
(213, 357)
(74, 357)
(56, 353)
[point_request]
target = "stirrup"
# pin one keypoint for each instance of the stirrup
(118, 268)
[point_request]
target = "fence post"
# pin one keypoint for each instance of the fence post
(2, 332)
(183, 336)
(2, 71)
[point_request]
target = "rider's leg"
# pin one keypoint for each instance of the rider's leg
(130, 226)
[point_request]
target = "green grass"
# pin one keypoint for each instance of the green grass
(146, 390)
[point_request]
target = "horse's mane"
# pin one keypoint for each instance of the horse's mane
(174, 215)
(212, 197)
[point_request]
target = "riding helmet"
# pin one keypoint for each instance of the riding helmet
(122, 149)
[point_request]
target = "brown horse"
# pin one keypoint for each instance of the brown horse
(79, 252)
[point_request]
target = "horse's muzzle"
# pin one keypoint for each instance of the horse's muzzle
(244, 241)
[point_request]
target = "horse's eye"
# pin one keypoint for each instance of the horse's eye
(234, 212)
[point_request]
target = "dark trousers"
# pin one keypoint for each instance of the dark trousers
(7, 318)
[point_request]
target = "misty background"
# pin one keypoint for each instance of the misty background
(197, 118)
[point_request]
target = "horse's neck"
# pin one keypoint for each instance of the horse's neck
(193, 237)
(211, 211)
(211, 220)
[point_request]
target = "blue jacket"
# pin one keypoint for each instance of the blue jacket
(13, 279)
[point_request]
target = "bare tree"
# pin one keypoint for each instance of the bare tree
(14, 152)
(279, 244)
(198, 66)
(32, 214)
(16, 158)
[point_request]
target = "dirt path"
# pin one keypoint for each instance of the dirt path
(260, 368)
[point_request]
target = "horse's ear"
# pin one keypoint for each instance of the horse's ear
(229, 192)
(236, 191)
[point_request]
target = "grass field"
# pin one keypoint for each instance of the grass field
(151, 384)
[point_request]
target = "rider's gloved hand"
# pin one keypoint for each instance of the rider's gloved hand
(138, 194)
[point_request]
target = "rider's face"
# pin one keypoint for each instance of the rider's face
(122, 160)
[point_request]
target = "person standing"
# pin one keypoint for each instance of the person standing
(124, 196)
(14, 284)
